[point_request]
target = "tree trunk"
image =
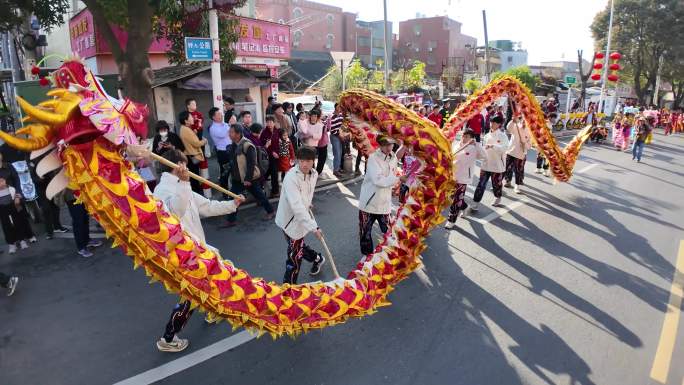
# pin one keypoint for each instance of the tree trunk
(133, 62)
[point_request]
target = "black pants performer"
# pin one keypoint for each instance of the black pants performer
(296, 251)
(322, 157)
(223, 159)
(15, 223)
(80, 223)
(542, 162)
(179, 317)
(458, 202)
(273, 173)
(194, 184)
(366, 221)
(517, 166)
(497, 185)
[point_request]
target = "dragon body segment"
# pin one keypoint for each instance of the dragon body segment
(87, 131)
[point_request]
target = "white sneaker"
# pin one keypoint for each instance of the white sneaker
(517, 189)
(85, 253)
(450, 225)
(176, 345)
(475, 206)
(539, 171)
(33, 240)
(546, 172)
(497, 202)
(12, 285)
(23, 245)
(12, 249)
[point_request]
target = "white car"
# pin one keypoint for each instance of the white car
(327, 107)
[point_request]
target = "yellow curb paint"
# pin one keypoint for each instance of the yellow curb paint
(668, 335)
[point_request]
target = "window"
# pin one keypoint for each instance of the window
(329, 41)
(297, 38)
(431, 45)
(364, 41)
(510, 59)
(378, 43)
(297, 13)
(331, 20)
(431, 61)
(417, 29)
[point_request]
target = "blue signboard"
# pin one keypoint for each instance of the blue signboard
(198, 49)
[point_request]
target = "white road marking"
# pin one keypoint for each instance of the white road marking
(178, 365)
(348, 194)
(589, 167)
(499, 212)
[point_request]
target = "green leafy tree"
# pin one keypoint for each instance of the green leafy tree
(332, 84)
(523, 74)
(473, 85)
(643, 31)
(416, 75)
(356, 75)
(399, 81)
(15, 13)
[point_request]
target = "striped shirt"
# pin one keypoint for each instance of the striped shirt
(336, 123)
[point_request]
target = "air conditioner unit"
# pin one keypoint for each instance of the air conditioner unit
(430, 49)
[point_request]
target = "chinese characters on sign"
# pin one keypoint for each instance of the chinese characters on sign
(261, 38)
(198, 49)
(82, 35)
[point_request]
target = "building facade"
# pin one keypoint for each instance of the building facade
(436, 41)
(510, 53)
(313, 26)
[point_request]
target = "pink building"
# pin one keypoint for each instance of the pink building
(437, 42)
(314, 26)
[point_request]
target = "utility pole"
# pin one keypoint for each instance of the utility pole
(216, 86)
(605, 67)
(387, 61)
(486, 55)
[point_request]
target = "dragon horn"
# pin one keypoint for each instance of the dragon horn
(41, 115)
(41, 136)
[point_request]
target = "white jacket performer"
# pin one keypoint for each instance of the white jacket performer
(465, 162)
(520, 139)
(495, 144)
(188, 206)
(376, 190)
(293, 215)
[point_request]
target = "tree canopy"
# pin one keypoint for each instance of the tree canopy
(523, 73)
(643, 31)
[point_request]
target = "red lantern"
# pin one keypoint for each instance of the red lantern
(613, 77)
(35, 70)
(596, 77)
(44, 82)
(615, 67)
(599, 55)
(598, 66)
(615, 56)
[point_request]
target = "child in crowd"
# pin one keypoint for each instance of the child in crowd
(294, 216)
(15, 223)
(469, 150)
(286, 155)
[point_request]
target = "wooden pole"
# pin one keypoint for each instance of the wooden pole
(196, 177)
(327, 250)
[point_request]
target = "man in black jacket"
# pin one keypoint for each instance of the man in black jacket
(244, 172)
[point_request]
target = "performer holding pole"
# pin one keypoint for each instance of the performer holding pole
(294, 216)
(178, 198)
(375, 200)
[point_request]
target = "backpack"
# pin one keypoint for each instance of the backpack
(262, 163)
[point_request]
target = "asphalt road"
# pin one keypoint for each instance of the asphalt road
(570, 284)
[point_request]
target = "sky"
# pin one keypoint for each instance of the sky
(548, 29)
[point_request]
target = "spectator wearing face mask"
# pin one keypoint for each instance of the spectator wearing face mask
(165, 139)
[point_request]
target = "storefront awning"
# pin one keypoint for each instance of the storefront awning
(198, 77)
